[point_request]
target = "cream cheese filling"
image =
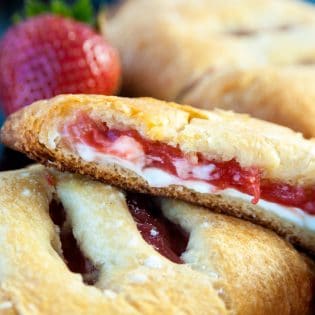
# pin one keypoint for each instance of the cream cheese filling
(159, 178)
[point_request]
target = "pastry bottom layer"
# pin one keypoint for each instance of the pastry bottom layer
(223, 202)
(159, 178)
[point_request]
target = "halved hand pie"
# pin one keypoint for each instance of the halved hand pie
(228, 162)
(52, 222)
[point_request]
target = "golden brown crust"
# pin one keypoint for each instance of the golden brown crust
(283, 96)
(279, 152)
(33, 131)
(231, 266)
(258, 60)
(35, 280)
(126, 179)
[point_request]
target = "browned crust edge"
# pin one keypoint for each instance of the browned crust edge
(129, 180)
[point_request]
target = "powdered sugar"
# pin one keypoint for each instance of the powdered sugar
(153, 262)
(138, 277)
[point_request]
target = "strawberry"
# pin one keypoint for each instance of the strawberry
(48, 55)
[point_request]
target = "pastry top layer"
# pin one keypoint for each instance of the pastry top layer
(254, 57)
(188, 38)
(223, 255)
(279, 152)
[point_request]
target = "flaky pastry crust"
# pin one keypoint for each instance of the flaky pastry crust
(252, 56)
(225, 135)
(281, 154)
(230, 266)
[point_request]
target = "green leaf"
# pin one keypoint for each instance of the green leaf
(59, 7)
(35, 7)
(16, 18)
(83, 11)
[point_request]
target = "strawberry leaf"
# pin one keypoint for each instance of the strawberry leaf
(16, 18)
(80, 10)
(83, 11)
(35, 7)
(59, 7)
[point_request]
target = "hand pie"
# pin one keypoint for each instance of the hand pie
(228, 162)
(252, 56)
(70, 245)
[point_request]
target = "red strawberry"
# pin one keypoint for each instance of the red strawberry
(49, 55)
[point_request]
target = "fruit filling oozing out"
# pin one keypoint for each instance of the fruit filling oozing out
(129, 145)
(166, 237)
(74, 258)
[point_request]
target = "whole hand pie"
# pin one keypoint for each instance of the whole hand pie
(252, 56)
(228, 162)
(69, 245)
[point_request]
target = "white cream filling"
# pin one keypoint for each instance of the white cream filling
(159, 178)
(154, 176)
(291, 214)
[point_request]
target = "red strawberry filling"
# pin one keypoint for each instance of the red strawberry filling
(129, 145)
(166, 237)
(76, 261)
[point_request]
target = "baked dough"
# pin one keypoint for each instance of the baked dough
(230, 266)
(281, 153)
(252, 56)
